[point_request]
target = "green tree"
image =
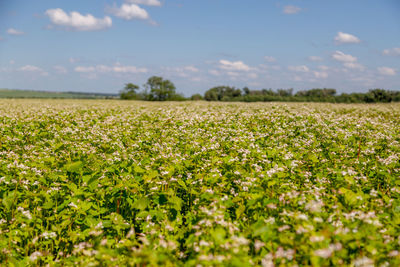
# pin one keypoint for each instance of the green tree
(160, 89)
(378, 96)
(246, 90)
(129, 91)
(222, 93)
(285, 92)
(196, 97)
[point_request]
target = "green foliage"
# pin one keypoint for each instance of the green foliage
(123, 183)
(222, 93)
(160, 89)
(225, 93)
(196, 97)
(130, 91)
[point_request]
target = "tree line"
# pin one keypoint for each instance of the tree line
(155, 89)
(160, 89)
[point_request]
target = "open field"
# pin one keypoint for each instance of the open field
(8, 93)
(234, 184)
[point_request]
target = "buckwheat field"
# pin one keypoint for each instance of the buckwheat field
(113, 183)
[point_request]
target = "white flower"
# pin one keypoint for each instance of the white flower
(72, 204)
(258, 245)
(283, 228)
(323, 253)
(364, 262)
(99, 225)
(26, 213)
(35, 255)
(48, 235)
(204, 243)
(281, 253)
(302, 216)
(393, 253)
(267, 261)
(318, 219)
(314, 206)
(317, 238)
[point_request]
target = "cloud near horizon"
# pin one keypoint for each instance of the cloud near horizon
(117, 68)
(33, 69)
(233, 66)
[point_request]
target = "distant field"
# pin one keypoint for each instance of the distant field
(133, 183)
(7, 93)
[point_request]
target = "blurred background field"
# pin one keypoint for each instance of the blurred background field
(14, 93)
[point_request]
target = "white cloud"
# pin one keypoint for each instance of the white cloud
(392, 52)
(73, 60)
(291, 10)
(342, 57)
(301, 68)
(33, 69)
(232, 74)
(30, 68)
(214, 72)
(191, 68)
(77, 21)
(321, 74)
(263, 67)
(270, 59)
(297, 78)
(60, 69)
(13, 31)
(145, 2)
(85, 69)
(323, 67)
(314, 58)
(233, 66)
(128, 69)
(129, 12)
(252, 75)
(185, 71)
(346, 38)
(353, 65)
(117, 68)
(387, 71)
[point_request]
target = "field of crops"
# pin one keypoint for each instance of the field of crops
(133, 183)
(10, 93)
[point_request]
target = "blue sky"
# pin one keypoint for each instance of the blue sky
(99, 45)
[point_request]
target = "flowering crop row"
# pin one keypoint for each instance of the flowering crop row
(133, 183)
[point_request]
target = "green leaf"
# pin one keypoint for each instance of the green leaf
(74, 166)
(240, 210)
(182, 183)
(138, 169)
(141, 203)
(176, 201)
(8, 200)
